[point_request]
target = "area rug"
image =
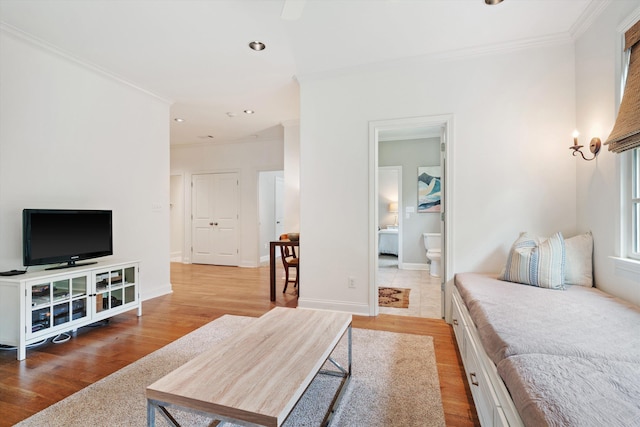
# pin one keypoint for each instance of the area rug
(394, 383)
(393, 297)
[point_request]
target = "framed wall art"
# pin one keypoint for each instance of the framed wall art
(429, 189)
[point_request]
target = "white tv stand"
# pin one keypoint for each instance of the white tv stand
(43, 304)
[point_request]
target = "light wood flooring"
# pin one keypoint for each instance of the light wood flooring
(200, 294)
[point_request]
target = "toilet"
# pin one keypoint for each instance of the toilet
(433, 245)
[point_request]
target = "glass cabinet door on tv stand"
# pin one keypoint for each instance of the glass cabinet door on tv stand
(57, 304)
(115, 288)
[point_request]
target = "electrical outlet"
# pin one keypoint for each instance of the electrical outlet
(351, 282)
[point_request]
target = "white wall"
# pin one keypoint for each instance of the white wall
(513, 115)
(292, 176)
(71, 137)
(598, 65)
(248, 159)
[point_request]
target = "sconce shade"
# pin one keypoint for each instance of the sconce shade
(393, 207)
(626, 131)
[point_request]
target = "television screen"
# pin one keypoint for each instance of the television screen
(65, 236)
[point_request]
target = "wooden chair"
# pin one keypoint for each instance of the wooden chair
(289, 260)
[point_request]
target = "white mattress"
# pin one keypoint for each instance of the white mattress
(568, 358)
(388, 242)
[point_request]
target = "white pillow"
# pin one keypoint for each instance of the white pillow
(579, 266)
(536, 261)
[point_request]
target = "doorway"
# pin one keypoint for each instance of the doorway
(435, 129)
(176, 209)
(270, 210)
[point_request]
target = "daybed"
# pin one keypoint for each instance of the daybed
(538, 356)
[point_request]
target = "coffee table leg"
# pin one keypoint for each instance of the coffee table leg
(346, 378)
(349, 368)
(151, 414)
(152, 405)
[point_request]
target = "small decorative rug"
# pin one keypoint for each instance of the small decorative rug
(393, 297)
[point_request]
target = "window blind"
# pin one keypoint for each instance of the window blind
(626, 131)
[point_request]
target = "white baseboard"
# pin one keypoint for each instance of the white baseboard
(248, 264)
(413, 266)
(353, 308)
(157, 292)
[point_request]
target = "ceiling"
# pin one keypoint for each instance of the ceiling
(195, 54)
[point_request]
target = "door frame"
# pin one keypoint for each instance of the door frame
(445, 122)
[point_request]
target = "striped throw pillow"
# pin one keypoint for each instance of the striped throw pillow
(536, 261)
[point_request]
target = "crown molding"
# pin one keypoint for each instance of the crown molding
(587, 17)
(290, 123)
(227, 142)
(445, 56)
(48, 47)
(629, 21)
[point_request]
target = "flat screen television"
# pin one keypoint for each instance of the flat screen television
(52, 236)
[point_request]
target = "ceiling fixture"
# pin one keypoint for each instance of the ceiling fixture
(492, 2)
(257, 46)
(249, 111)
(179, 120)
(231, 114)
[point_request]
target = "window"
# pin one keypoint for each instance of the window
(634, 205)
(625, 140)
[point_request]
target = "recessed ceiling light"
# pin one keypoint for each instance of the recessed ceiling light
(492, 2)
(249, 111)
(179, 120)
(257, 46)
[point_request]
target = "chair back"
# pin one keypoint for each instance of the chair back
(287, 251)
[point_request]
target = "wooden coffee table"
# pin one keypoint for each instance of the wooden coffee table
(257, 376)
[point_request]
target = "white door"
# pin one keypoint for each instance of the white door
(214, 229)
(279, 206)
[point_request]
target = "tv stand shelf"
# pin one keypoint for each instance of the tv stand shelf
(43, 304)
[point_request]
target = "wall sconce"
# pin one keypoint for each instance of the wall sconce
(594, 146)
(393, 208)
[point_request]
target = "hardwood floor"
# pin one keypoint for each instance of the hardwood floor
(200, 294)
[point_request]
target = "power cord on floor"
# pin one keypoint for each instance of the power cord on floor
(63, 337)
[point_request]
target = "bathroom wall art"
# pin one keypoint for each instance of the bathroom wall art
(429, 189)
